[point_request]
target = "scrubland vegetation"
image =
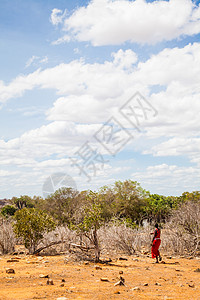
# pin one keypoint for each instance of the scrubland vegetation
(88, 223)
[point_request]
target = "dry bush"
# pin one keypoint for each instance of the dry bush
(7, 237)
(68, 241)
(182, 232)
(61, 234)
(120, 237)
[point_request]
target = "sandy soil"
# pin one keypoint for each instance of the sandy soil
(174, 279)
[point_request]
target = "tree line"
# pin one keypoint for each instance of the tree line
(86, 211)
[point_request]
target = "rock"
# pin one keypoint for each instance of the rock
(63, 280)
(104, 279)
(98, 267)
(197, 270)
(40, 258)
(44, 276)
(157, 283)
(62, 298)
(136, 288)
(12, 260)
(121, 272)
(117, 292)
(62, 284)
(122, 258)
(145, 284)
(169, 257)
(10, 271)
(191, 285)
(50, 282)
(120, 282)
(86, 263)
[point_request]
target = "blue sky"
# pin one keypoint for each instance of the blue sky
(67, 67)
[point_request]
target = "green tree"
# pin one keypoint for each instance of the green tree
(22, 201)
(160, 207)
(90, 220)
(30, 225)
(62, 205)
(8, 210)
(130, 200)
(186, 196)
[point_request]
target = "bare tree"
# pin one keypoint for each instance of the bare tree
(7, 237)
(182, 232)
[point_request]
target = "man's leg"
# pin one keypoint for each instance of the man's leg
(160, 258)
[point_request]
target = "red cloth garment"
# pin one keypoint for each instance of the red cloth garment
(156, 244)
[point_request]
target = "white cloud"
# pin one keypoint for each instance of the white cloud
(36, 60)
(114, 22)
(125, 59)
(168, 179)
(179, 146)
(64, 39)
(77, 51)
(108, 79)
(44, 60)
(5, 173)
(90, 93)
(30, 61)
(57, 16)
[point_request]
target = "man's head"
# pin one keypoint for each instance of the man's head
(156, 225)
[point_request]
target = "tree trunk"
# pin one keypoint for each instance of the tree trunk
(96, 245)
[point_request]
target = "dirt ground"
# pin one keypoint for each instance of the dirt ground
(174, 278)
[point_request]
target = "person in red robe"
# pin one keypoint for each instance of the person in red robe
(156, 244)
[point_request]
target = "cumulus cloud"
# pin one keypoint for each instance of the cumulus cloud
(169, 179)
(179, 146)
(114, 22)
(77, 77)
(57, 16)
(90, 93)
(125, 59)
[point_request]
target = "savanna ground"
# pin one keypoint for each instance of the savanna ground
(174, 278)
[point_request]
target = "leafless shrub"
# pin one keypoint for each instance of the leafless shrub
(120, 237)
(182, 232)
(7, 237)
(61, 235)
(64, 240)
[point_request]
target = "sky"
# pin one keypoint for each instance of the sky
(92, 92)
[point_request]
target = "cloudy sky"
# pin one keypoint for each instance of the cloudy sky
(100, 90)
